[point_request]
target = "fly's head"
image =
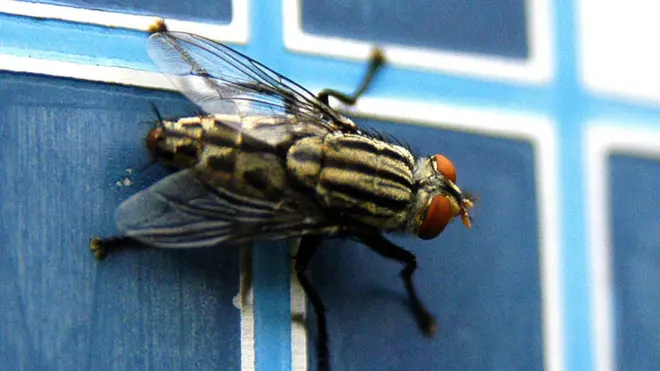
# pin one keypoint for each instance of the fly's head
(438, 199)
(170, 148)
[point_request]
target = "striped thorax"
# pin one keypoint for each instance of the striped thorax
(368, 179)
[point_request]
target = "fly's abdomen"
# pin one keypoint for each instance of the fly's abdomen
(176, 143)
(366, 178)
(221, 155)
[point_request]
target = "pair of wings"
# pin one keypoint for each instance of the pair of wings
(181, 211)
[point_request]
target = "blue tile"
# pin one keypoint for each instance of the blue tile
(635, 258)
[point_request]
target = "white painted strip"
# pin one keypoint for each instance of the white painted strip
(245, 301)
(547, 180)
(237, 31)
(538, 69)
(248, 358)
(113, 75)
(299, 353)
(599, 236)
(492, 122)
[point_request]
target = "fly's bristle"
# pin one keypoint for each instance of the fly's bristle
(157, 26)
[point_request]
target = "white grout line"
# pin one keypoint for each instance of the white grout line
(113, 75)
(245, 301)
(299, 352)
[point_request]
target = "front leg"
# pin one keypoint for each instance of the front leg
(376, 61)
(384, 247)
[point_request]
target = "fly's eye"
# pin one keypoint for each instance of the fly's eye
(153, 138)
(438, 215)
(445, 167)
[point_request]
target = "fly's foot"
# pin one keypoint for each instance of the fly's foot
(427, 324)
(157, 26)
(98, 249)
(377, 58)
(102, 246)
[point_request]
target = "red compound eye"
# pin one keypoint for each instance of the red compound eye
(438, 215)
(445, 167)
(152, 139)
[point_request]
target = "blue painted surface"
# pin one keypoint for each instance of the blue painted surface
(482, 284)
(635, 199)
(475, 26)
(64, 145)
(272, 325)
(321, 72)
(195, 10)
(66, 311)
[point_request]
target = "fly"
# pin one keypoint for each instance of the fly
(269, 160)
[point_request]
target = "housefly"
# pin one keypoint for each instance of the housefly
(268, 160)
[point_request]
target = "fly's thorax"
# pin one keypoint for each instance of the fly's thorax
(437, 199)
(363, 178)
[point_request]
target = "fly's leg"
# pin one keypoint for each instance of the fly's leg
(308, 246)
(384, 247)
(376, 61)
(102, 246)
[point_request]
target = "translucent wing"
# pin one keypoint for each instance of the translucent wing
(180, 211)
(223, 81)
